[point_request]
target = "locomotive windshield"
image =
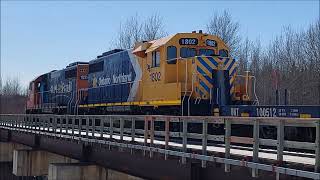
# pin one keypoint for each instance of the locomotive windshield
(206, 52)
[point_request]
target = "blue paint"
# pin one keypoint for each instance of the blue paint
(213, 61)
(205, 64)
(204, 74)
(205, 86)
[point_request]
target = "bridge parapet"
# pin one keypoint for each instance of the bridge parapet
(186, 138)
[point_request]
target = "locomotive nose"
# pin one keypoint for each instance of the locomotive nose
(221, 87)
(216, 76)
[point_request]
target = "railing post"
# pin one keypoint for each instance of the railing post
(47, 126)
(16, 122)
(67, 125)
(204, 140)
(93, 124)
(22, 121)
(111, 127)
(102, 126)
(280, 140)
(133, 129)
(60, 126)
(87, 127)
(54, 120)
(151, 134)
(44, 123)
(280, 144)
(317, 161)
(256, 140)
(167, 136)
(184, 138)
(80, 128)
(34, 120)
(73, 124)
(121, 128)
(41, 123)
(146, 130)
(227, 141)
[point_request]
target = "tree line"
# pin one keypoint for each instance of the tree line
(12, 96)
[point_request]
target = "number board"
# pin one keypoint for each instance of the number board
(83, 77)
(211, 43)
(188, 41)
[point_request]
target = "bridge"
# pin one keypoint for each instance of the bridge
(156, 147)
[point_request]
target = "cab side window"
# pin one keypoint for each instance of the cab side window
(171, 55)
(206, 52)
(156, 59)
(187, 52)
(223, 53)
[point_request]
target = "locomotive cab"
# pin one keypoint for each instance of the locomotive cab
(191, 70)
(37, 94)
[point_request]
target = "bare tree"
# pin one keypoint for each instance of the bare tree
(153, 28)
(291, 62)
(226, 28)
(136, 29)
(129, 33)
(243, 55)
(11, 87)
(12, 96)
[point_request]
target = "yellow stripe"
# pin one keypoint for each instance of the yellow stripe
(232, 89)
(202, 89)
(232, 79)
(142, 103)
(228, 64)
(205, 81)
(203, 68)
(224, 65)
(305, 115)
(210, 63)
(163, 103)
(232, 68)
(244, 114)
(223, 60)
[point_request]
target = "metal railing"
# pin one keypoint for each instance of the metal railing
(177, 136)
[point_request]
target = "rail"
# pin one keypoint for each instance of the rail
(174, 135)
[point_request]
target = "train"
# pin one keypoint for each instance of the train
(188, 74)
(185, 73)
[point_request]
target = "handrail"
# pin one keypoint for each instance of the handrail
(185, 88)
(192, 89)
(113, 127)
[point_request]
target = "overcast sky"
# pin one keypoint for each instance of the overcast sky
(37, 37)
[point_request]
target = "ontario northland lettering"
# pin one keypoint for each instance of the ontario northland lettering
(116, 79)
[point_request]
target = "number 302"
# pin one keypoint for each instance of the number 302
(155, 76)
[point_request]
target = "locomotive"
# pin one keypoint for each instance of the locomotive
(181, 74)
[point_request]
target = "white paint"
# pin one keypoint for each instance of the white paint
(137, 69)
